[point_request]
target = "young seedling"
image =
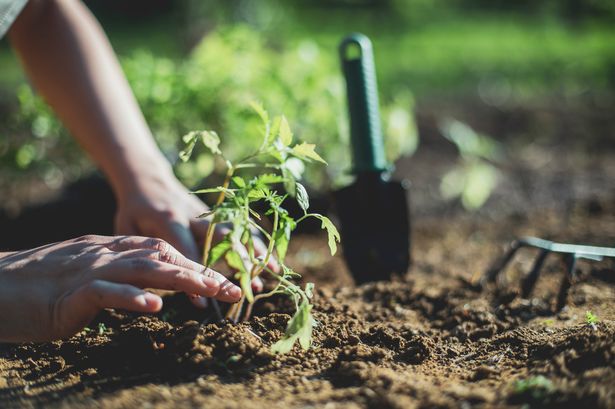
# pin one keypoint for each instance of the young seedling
(253, 180)
(591, 319)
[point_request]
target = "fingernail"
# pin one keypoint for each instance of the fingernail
(234, 291)
(150, 300)
(210, 282)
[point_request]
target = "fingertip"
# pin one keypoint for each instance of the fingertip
(150, 302)
(257, 284)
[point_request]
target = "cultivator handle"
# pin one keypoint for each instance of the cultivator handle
(365, 132)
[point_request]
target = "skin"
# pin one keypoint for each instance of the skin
(54, 291)
(72, 65)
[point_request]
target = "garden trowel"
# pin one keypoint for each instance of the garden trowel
(373, 211)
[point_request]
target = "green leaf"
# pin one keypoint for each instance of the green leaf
(211, 140)
(238, 180)
(333, 235)
(268, 179)
(290, 184)
(309, 290)
(245, 281)
(282, 237)
(190, 140)
(262, 113)
(235, 261)
(257, 194)
(302, 197)
(224, 214)
(219, 250)
(299, 328)
(286, 135)
(274, 131)
(306, 151)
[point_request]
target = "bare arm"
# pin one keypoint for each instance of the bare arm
(71, 63)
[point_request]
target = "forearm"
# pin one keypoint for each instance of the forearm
(71, 63)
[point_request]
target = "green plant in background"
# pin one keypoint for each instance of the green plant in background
(475, 176)
(210, 88)
(278, 161)
(538, 388)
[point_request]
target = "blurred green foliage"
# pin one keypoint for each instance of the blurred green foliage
(206, 60)
(475, 175)
(212, 88)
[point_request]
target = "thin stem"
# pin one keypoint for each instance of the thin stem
(305, 216)
(210, 229)
(257, 165)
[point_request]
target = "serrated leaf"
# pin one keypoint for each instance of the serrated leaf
(302, 197)
(211, 140)
(262, 113)
(268, 179)
(238, 180)
(307, 151)
(274, 131)
(218, 251)
(257, 194)
(333, 236)
(286, 135)
(299, 328)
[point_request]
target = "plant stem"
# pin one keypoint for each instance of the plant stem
(210, 229)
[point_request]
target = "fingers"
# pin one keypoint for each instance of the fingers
(146, 272)
(89, 299)
(78, 308)
(179, 236)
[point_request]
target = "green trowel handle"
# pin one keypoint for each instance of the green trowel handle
(362, 91)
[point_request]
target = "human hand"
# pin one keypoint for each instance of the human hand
(53, 291)
(160, 206)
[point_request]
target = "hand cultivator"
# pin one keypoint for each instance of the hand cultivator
(570, 253)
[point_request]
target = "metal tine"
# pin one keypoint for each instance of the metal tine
(500, 264)
(530, 280)
(571, 261)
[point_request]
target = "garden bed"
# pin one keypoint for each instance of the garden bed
(430, 339)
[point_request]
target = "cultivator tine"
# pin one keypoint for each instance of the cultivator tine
(569, 275)
(530, 280)
(492, 274)
(570, 252)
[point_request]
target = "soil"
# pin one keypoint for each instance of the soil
(433, 338)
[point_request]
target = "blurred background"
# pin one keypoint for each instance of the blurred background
(489, 106)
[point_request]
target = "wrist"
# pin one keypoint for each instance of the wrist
(134, 177)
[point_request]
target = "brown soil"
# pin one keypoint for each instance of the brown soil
(430, 339)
